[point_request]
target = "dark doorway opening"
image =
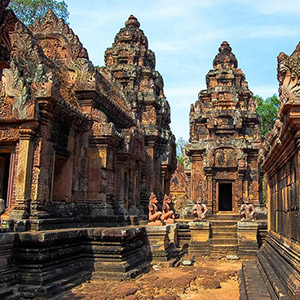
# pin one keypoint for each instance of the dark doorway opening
(4, 176)
(225, 197)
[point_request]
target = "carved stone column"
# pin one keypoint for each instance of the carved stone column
(24, 171)
(211, 202)
(238, 191)
(120, 188)
(43, 162)
(196, 177)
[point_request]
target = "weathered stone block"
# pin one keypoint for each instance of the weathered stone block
(200, 234)
(118, 253)
(200, 231)
(161, 240)
(8, 269)
(247, 238)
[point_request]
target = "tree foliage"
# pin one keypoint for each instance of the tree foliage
(29, 10)
(180, 145)
(267, 110)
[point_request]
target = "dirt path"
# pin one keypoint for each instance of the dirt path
(212, 280)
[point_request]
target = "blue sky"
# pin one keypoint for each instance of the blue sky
(186, 35)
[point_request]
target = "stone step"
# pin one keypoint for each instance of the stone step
(223, 252)
(225, 228)
(222, 223)
(223, 247)
(224, 216)
(270, 277)
(66, 284)
(224, 234)
(252, 285)
(223, 242)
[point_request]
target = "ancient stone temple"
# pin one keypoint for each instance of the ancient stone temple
(224, 138)
(132, 65)
(80, 151)
(279, 257)
(80, 142)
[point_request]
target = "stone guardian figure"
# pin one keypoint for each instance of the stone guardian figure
(247, 211)
(199, 209)
(154, 215)
(167, 214)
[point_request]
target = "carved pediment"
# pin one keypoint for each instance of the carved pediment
(225, 158)
(288, 71)
(57, 39)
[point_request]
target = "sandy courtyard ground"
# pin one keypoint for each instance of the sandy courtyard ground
(210, 280)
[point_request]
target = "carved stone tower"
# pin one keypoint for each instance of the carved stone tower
(224, 138)
(132, 64)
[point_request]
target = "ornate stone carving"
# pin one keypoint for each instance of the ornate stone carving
(199, 209)
(132, 65)
(223, 126)
(7, 23)
(57, 38)
(155, 216)
(168, 215)
(225, 58)
(288, 74)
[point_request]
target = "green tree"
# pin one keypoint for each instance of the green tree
(267, 110)
(180, 144)
(29, 10)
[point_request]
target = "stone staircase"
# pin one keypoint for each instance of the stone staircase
(223, 239)
(271, 275)
(252, 284)
(220, 235)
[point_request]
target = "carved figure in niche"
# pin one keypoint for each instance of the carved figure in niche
(199, 209)
(167, 214)
(247, 211)
(154, 214)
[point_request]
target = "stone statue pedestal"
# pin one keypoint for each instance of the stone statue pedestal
(162, 240)
(169, 221)
(156, 223)
(247, 238)
(200, 234)
(188, 210)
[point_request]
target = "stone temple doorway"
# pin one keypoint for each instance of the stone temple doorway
(225, 196)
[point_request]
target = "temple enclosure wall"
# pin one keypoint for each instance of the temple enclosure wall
(279, 257)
